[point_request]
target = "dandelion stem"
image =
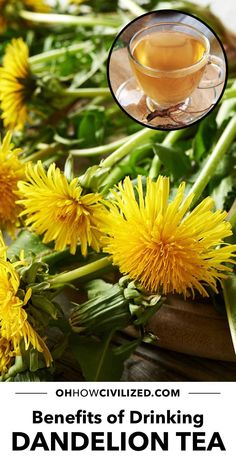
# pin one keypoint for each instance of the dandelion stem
(173, 136)
(229, 289)
(155, 167)
(230, 81)
(229, 285)
(97, 150)
(133, 141)
(83, 271)
(87, 92)
(232, 215)
(55, 53)
(70, 20)
(42, 153)
(132, 6)
(229, 93)
(115, 175)
(214, 158)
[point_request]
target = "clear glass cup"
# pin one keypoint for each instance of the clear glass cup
(169, 61)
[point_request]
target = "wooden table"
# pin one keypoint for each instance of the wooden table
(194, 344)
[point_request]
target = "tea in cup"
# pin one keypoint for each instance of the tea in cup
(168, 61)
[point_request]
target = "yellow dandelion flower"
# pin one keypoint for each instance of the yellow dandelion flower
(14, 326)
(9, 9)
(56, 208)
(76, 2)
(16, 85)
(163, 246)
(11, 171)
(7, 355)
(37, 5)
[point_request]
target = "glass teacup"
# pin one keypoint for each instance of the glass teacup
(169, 60)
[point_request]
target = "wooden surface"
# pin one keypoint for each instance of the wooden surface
(152, 364)
(186, 331)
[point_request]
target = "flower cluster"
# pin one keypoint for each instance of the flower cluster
(8, 9)
(16, 333)
(11, 171)
(15, 84)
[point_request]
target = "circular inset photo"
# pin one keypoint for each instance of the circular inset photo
(167, 69)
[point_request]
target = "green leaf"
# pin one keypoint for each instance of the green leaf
(205, 136)
(59, 349)
(140, 159)
(176, 162)
(98, 360)
(226, 166)
(42, 303)
(229, 290)
(29, 242)
(91, 127)
(29, 377)
(126, 348)
(221, 192)
(226, 111)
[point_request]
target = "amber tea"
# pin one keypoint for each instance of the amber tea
(167, 64)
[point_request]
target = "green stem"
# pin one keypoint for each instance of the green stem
(230, 81)
(59, 19)
(229, 290)
(83, 271)
(101, 360)
(232, 215)
(229, 93)
(55, 53)
(155, 167)
(115, 175)
(46, 152)
(132, 6)
(173, 136)
(133, 141)
(96, 151)
(229, 285)
(87, 92)
(214, 158)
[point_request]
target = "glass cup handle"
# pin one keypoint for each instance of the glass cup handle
(214, 73)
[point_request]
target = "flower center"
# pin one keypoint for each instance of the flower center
(70, 210)
(8, 186)
(29, 84)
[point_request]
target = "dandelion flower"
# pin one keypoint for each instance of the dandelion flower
(9, 8)
(37, 5)
(163, 246)
(56, 208)
(76, 2)
(7, 355)
(16, 84)
(11, 171)
(14, 326)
